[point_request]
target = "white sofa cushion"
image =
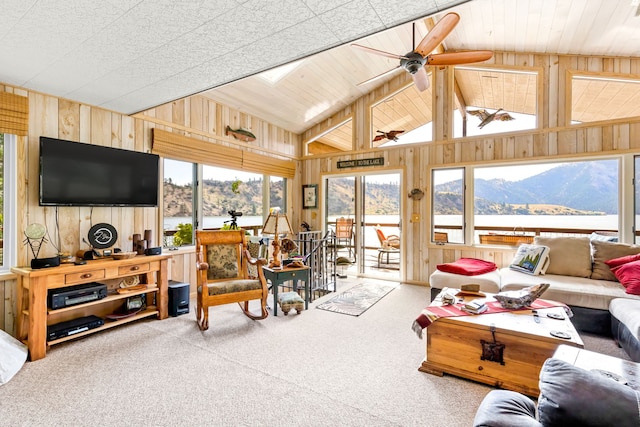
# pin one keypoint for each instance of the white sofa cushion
(577, 291)
(627, 311)
(489, 282)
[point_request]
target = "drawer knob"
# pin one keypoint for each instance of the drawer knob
(86, 275)
(135, 268)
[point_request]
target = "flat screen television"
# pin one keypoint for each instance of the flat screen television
(78, 174)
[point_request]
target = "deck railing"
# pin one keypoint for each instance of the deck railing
(509, 236)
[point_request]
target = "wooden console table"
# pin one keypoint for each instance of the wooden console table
(33, 285)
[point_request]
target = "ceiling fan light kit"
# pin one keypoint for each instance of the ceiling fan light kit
(415, 61)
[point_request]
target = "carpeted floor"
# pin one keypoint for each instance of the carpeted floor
(311, 369)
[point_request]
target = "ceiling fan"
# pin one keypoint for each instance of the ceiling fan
(415, 61)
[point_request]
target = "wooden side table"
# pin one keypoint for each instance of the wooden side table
(278, 277)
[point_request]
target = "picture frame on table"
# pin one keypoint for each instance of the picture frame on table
(309, 196)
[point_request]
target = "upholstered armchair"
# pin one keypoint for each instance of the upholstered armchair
(222, 261)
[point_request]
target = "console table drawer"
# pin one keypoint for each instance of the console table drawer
(137, 268)
(87, 276)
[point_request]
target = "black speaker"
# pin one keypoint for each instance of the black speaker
(153, 251)
(178, 298)
(45, 262)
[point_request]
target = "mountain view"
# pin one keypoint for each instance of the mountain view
(585, 188)
(219, 197)
(582, 188)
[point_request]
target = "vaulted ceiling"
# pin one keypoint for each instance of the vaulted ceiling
(130, 55)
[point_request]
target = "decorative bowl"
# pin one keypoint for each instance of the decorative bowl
(123, 255)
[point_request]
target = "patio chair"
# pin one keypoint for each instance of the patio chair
(344, 234)
(391, 241)
(222, 259)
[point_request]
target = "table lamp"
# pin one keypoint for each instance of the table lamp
(277, 223)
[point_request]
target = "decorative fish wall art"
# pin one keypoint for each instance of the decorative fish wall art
(240, 134)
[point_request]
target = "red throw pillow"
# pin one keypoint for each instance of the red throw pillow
(616, 262)
(468, 266)
(629, 275)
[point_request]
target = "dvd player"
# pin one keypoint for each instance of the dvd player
(72, 327)
(72, 295)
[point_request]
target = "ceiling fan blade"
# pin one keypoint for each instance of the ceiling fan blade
(377, 52)
(421, 79)
(386, 73)
(455, 58)
(439, 31)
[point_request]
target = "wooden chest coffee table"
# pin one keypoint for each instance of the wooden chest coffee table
(510, 357)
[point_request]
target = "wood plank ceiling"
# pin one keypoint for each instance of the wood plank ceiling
(327, 82)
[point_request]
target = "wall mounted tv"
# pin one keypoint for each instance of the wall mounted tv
(77, 174)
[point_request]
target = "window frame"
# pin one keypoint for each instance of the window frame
(626, 191)
(498, 68)
(197, 212)
(599, 76)
(9, 222)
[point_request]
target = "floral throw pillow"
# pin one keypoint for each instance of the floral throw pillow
(531, 259)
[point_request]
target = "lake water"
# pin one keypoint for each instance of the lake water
(599, 222)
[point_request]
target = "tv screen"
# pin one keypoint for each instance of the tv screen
(77, 174)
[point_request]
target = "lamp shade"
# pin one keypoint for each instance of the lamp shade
(277, 223)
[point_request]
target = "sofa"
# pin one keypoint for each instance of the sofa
(578, 275)
(625, 325)
(569, 396)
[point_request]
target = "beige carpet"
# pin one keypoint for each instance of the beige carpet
(316, 368)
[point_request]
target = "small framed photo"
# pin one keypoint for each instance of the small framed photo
(309, 196)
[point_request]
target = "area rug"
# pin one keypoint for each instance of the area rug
(356, 300)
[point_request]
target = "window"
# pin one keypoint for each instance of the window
(8, 200)
(178, 202)
(447, 215)
(339, 138)
(601, 97)
(636, 207)
(409, 111)
(223, 192)
(277, 193)
(512, 94)
(512, 204)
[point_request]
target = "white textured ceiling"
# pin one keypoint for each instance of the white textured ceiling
(130, 55)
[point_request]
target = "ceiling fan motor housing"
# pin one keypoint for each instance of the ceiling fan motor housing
(412, 62)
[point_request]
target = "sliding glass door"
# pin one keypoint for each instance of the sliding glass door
(371, 201)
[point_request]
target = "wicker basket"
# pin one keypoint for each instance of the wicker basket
(505, 239)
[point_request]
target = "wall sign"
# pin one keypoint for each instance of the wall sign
(376, 161)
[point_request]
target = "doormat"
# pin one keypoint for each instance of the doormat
(356, 300)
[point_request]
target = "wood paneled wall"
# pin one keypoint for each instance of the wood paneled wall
(554, 139)
(199, 117)
(59, 118)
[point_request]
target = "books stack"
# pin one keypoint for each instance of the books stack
(476, 306)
